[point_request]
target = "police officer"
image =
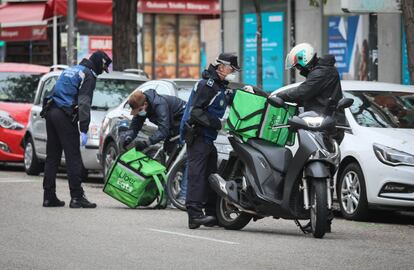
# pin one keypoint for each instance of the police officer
(163, 110)
(69, 104)
(208, 103)
(320, 92)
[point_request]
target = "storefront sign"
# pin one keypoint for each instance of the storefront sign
(370, 6)
(23, 33)
(184, 7)
(272, 50)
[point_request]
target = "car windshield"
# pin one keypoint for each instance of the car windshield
(18, 87)
(383, 109)
(184, 89)
(110, 93)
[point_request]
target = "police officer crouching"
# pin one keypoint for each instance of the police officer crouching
(69, 104)
(208, 103)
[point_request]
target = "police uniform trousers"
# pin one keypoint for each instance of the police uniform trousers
(202, 161)
(64, 135)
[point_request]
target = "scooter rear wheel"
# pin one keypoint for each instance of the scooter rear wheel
(319, 207)
(230, 217)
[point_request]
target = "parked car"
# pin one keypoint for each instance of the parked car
(18, 84)
(377, 163)
(111, 89)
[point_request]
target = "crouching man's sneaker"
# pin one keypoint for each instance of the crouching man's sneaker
(196, 222)
(81, 202)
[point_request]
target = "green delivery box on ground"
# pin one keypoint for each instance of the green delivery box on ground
(251, 116)
(136, 180)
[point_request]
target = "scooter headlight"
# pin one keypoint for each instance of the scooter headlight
(313, 121)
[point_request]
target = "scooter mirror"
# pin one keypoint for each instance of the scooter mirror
(344, 103)
(122, 128)
(276, 101)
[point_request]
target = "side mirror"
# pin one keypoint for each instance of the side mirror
(344, 103)
(276, 101)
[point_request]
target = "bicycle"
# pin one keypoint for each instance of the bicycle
(176, 163)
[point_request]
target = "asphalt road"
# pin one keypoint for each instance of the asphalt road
(114, 237)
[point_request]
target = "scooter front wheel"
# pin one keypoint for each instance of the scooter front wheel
(230, 217)
(319, 207)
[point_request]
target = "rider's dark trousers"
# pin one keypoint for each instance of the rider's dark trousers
(202, 161)
(62, 134)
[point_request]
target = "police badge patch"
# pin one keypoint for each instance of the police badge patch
(210, 82)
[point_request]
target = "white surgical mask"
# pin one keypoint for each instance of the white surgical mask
(142, 113)
(230, 77)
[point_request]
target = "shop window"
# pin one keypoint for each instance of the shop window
(172, 46)
(165, 46)
(189, 47)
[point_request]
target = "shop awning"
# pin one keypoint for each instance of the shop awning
(21, 14)
(22, 21)
(100, 11)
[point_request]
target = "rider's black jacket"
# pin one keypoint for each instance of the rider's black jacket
(322, 82)
(164, 111)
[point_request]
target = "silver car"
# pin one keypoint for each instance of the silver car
(111, 89)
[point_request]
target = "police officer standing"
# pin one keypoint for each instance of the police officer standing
(207, 103)
(69, 104)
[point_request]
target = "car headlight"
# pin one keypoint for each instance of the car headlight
(6, 121)
(94, 130)
(393, 157)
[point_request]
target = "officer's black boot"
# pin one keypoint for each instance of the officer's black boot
(50, 200)
(196, 222)
(81, 202)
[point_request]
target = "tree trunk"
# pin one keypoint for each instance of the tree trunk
(407, 7)
(259, 44)
(124, 34)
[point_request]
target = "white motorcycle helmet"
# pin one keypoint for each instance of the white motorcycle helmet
(302, 54)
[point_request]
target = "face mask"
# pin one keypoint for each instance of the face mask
(142, 113)
(230, 77)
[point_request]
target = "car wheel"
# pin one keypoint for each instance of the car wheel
(32, 165)
(110, 155)
(352, 194)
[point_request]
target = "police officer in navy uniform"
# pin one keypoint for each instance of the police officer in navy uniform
(69, 104)
(208, 103)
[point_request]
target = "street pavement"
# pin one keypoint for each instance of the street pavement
(115, 237)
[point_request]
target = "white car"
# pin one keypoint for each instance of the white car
(377, 154)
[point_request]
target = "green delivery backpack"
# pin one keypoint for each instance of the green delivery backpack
(251, 116)
(137, 180)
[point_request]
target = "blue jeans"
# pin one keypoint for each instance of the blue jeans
(183, 184)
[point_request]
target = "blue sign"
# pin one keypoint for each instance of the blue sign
(272, 50)
(341, 40)
(405, 72)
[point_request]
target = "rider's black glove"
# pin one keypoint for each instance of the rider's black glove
(127, 140)
(141, 145)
